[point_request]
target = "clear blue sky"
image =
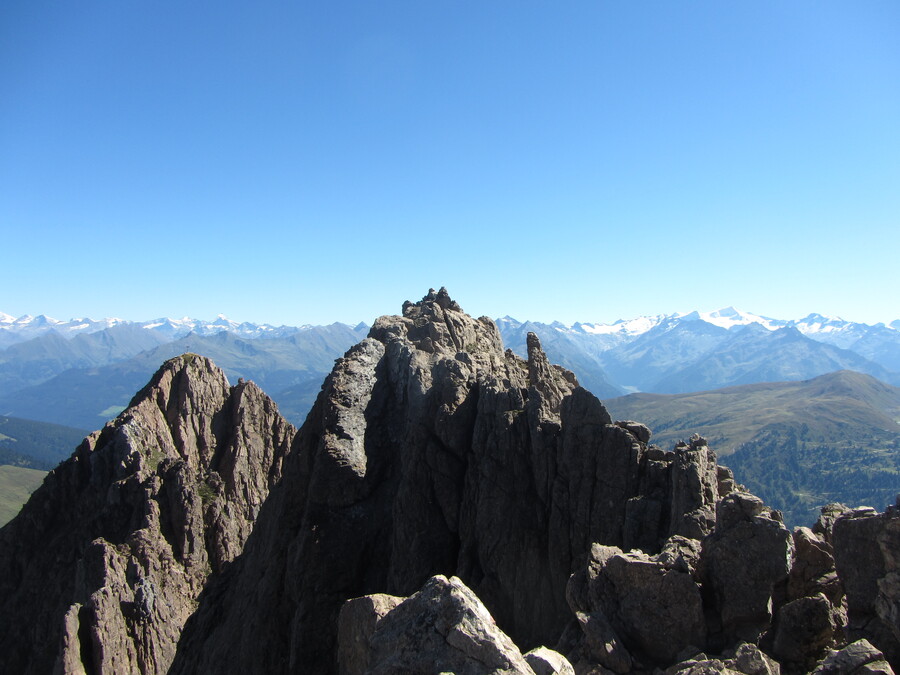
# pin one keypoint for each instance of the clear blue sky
(306, 162)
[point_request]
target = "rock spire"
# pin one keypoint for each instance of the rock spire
(104, 564)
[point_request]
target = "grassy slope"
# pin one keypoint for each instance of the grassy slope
(734, 415)
(798, 445)
(16, 484)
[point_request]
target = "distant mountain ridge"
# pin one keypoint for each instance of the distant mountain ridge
(40, 379)
(830, 329)
(80, 372)
(673, 353)
(25, 327)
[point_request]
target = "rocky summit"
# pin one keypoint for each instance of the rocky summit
(103, 566)
(446, 507)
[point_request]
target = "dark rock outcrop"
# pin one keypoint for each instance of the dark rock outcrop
(431, 450)
(867, 555)
(200, 533)
(638, 605)
(743, 562)
(104, 564)
(443, 627)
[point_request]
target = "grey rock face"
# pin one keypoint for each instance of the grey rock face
(867, 555)
(104, 564)
(857, 658)
(748, 555)
(545, 661)
(356, 624)
(442, 628)
(751, 660)
(633, 602)
(431, 450)
(748, 659)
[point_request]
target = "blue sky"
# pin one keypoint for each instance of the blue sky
(290, 162)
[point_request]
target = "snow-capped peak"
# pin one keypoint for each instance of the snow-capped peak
(729, 317)
(629, 327)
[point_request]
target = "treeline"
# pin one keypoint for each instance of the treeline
(36, 445)
(797, 473)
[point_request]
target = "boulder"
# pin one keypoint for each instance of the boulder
(356, 625)
(544, 661)
(867, 557)
(635, 604)
(857, 658)
(805, 630)
(442, 628)
(742, 562)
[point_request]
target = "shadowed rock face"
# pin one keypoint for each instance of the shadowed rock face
(431, 450)
(104, 564)
(867, 553)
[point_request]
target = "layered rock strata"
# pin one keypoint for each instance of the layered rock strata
(104, 564)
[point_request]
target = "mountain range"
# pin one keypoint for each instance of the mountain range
(81, 372)
(82, 378)
(447, 506)
(677, 353)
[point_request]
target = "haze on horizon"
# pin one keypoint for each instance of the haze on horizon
(291, 164)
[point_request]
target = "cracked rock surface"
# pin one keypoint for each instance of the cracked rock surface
(104, 564)
(446, 506)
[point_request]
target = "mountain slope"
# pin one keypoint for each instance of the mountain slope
(755, 354)
(16, 484)
(104, 563)
(799, 444)
(661, 351)
(88, 397)
(38, 445)
(41, 358)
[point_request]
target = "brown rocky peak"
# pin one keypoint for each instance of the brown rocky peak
(102, 567)
(186, 395)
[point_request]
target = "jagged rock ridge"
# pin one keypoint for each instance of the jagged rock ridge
(104, 564)
(432, 451)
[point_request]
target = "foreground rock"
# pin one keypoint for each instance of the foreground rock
(748, 555)
(632, 604)
(104, 564)
(442, 628)
(858, 658)
(867, 554)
